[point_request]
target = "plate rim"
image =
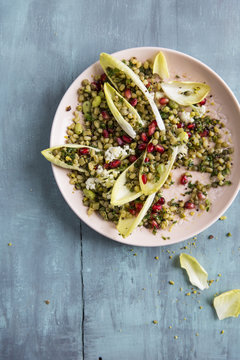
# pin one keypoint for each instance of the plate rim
(125, 240)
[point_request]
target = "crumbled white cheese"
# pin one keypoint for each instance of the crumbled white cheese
(91, 183)
(117, 152)
(186, 117)
(201, 110)
(182, 151)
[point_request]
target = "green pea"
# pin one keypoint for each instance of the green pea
(86, 107)
(172, 104)
(89, 194)
(78, 128)
(96, 101)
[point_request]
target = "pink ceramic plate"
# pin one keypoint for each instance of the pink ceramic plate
(180, 64)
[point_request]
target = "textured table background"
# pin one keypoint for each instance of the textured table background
(98, 308)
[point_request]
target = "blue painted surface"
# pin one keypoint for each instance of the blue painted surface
(103, 299)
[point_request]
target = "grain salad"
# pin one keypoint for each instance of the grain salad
(135, 135)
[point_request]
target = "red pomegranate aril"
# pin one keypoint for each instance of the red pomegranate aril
(105, 115)
(119, 141)
(183, 179)
(204, 133)
(83, 151)
(128, 94)
(152, 128)
(180, 125)
(157, 207)
(154, 224)
(159, 148)
(106, 166)
(105, 133)
(146, 160)
(132, 211)
(138, 206)
(144, 137)
(103, 78)
(191, 126)
(132, 158)
(148, 85)
(144, 178)
(163, 101)
(133, 102)
(142, 147)
(127, 139)
(161, 201)
(114, 164)
(111, 131)
(203, 102)
(201, 196)
(150, 148)
(189, 205)
(189, 134)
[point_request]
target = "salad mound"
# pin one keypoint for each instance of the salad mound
(141, 126)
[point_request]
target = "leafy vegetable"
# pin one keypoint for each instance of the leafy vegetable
(227, 304)
(110, 93)
(120, 192)
(47, 153)
(196, 273)
(160, 66)
(163, 170)
(107, 60)
(185, 92)
(126, 225)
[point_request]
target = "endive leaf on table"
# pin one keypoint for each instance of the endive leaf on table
(110, 94)
(196, 273)
(126, 225)
(160, 66)
(108, 61)
(185, 92)
(121, 194)
(227, 304)
(163, 170)
(48, 154)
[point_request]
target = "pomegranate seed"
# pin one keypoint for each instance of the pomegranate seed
(146, 160)
(132, 211)
(183, 179)
(204, 133)
(144, 178)
(105, 115)
(189, 205)
(133, 102)
(203, 102)
(159, 148)
(189, 134)
(114, 164)
(119, 141)
(105, 133)
(138, 206)
(106, 166)
(152, 128)
(128, 94)
(161, 201)
(132, 158)
(148, 85)
(150, 148)
(144, 137)
(126, 139)
(156, 207)
(142, 147)
(180, 125)
(110, 130)
(191, 126)
(201, 196)
(154, 224)
(83, 151)
(163, 101)
(103, 78)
